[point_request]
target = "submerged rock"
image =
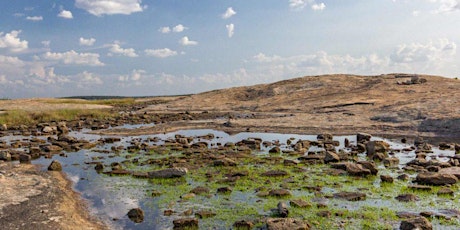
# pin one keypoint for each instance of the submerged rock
(168, 173)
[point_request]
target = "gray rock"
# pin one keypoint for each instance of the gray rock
(168, 173)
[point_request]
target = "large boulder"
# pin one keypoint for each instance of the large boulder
(168, 173)
(374, 147)
(436, 179)
(419, 223)
(287, 223)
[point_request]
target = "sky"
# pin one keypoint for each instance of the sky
(169, 47)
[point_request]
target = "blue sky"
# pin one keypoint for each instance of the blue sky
(165, 47)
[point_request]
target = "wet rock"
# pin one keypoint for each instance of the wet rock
(286, 223)
(224, 190)
(371, 166)
(25, 159)
(99, 166)
(445, 191)
(168, 173)
(200, 145)
(352, 168)
(325, 137)
(386, 178)
(185, 224)
(403, 177)
(62, 128)
(49, 129)
(279, 192)
(119, 172)
(302, 145)
(136, 215)
(299, 203)
(409, 197)
(200, 190)
(363, 137)
(377, 149)
(331, 157)
(243, 225)
(111, 139)
(205, 214)
(282, 210)
(350, 196)
(457, 148)
(275, 173)
(391, 162)
(51, 148)
(224, 162)
(252, 143)
(436, 179)
(420, 223)
(275, 150)
(55, 166)
(451, 171)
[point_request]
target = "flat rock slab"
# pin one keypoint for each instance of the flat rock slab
(350, 196)
(436, 179)
(451, 170)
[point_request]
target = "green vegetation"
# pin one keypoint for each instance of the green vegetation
(21, 117)
(112, 101)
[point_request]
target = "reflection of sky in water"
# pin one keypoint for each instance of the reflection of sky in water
(112, 197)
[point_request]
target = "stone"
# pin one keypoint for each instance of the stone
(51, 148)
(5, 155)
(168, 173)
(391, 162)
(274, 150)
(299, 203)
(136, 215)
(282, 210)
(419, 223)
(445, 191)
(371, 166)
(286, 223)
(386, 178)
(55, 166)
(350, 196)
(200, 190)
(185, 224)
(451, 170)
(409, 197)
(224, 162)
(325, 137)
(99, 166)
(3, 127)
(363, 137)
(243, 225)
(224, 190)
(279, 192)
(436, 179)
(352, 168)
(49, 129)
(24, 158)
(275, 173)
(205, 214)
(331, 157)
(376, 149)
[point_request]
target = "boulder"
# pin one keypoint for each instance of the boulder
(302, 145)
(286, 223)
(136, 215)
(407, 197)
(224, 162)
(419, 223)
(279, 192)
(168, 173)
(55, 166)
(391, 161)
(373, 147)
(24, 158)
(185, 223)
(451, 170)
(331, 157)
(243, 225)
(436, 179)
(363, 137)
(282, 210)
(299, 203)
(350, 196)
(274, 150)
(386, 178)
(5, 155)
(325, 137)
(352, 168)
(370, 166)
(49, 129)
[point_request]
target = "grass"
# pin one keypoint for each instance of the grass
(21, 117)
(112, 102)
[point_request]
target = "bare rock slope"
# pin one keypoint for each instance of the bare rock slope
(393, 104)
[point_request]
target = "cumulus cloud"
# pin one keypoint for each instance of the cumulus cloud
(88, 78)
(160, 53)
(87, 42)
(230, 30)
(447, 6)
(65, 14)
(110, 7)
(228, 13)
(11, 41)
(164, 30)
(72, 57)
(115, 49)
(185, 41)
(179, 28)
(34, 18)
(135, 76)
(318, 6)
(46, 43)
(419, 52)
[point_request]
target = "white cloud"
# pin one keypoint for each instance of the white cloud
(65, 14)
(260, 57)
(46, 43)
(116, 49)
(12, 42)
(228, 13)
(160, 53)
(135, 76)
(418, 52)
(165, 30)
(88, 78)
(179, 28)
(110, 7)
(230, 30)
(447, 6)
(185, 41)
(34, 18)
(415, 13)
(10, 61)
(318, 7)
(87, 42)
(72, 57)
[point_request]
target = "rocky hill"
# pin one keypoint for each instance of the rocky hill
(392, 104)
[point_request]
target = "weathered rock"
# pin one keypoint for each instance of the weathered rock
(275, 173)
(370, 166)
(224, 162)
(205, 214)
(457, 148)
(451, 171)
(419, 223)
(49, 129)
(325, 137)
(224, 190)
(279, 192)
(168, 173)
(200, 190)
(274, 150)
(377, 149)
(185, 224)
(363, 137)
(331, 157)
(420, 187)
(391, 161)
(136, 215)
(282, 210)
(3, 127)
(352, 168)
(24, 158)
(243, 225)
(55, 166)
(407, 197)
(445, 191)
(99, 166)
(52, 148)
(302, 145)
(286, 223)
(436, 179)
(350, 196)
(386, 178)
(5, 155)
(299, 203)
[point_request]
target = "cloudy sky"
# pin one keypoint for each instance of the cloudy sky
(158, 47)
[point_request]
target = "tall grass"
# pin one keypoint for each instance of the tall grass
(21, 117)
